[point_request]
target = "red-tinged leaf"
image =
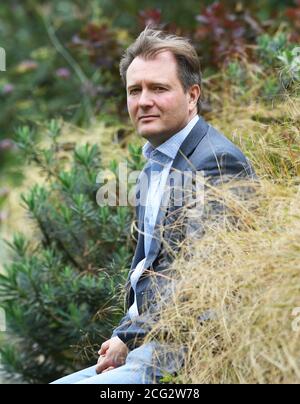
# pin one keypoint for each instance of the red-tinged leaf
(225, 31)
(201, 33)
(295, 37)
(150, 17)
(293, 13)
(217, 9)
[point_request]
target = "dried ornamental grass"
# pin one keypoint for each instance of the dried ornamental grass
(247, 280)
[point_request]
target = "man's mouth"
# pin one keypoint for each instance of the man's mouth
(148, 117)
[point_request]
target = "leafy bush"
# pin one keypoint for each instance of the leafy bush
(280, 60)
(61, 291)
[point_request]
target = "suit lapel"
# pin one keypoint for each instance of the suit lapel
(140, 213)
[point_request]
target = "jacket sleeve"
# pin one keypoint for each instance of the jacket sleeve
(124, 323)
(133, 333)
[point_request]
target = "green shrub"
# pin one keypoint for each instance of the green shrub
(61, 290)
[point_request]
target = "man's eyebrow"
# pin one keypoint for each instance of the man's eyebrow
(150, 85)
(133, 86)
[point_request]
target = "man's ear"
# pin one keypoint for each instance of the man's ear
(194, 95)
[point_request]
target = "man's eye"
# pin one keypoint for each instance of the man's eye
(133, 92)
(160, 88)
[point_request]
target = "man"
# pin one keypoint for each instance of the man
(162, 76)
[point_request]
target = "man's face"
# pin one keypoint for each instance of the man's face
(157, 104)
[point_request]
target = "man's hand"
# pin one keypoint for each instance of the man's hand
(112, 354)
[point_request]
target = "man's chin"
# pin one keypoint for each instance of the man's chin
(148, 133)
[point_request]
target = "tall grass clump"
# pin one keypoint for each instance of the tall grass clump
(235, 301)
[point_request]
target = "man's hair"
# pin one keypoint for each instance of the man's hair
(152, 42)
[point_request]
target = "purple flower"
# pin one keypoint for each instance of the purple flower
(8, 89)
(63, 73)
(6, 144)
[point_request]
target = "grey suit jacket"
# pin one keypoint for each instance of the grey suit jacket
(206, 150)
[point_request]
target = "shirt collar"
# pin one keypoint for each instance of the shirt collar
(171, 146)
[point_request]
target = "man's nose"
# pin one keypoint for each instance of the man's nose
(145, 99)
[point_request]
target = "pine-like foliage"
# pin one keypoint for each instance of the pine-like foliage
(61, 291)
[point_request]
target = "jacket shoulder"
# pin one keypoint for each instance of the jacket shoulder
(216, 152)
